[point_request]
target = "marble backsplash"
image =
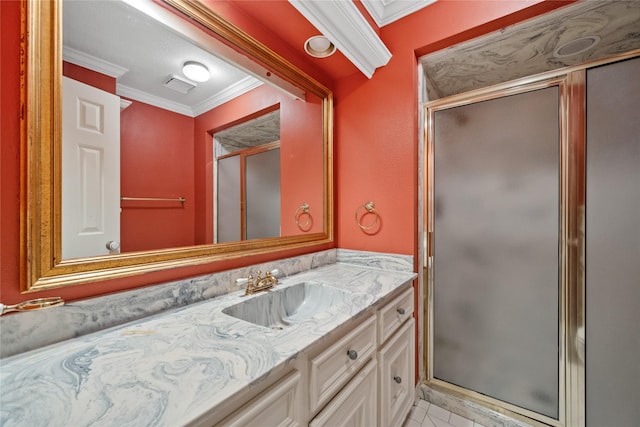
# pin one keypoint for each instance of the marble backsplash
(26, 331)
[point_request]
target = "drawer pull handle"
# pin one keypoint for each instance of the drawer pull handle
(353, 355)
(397, 379)
(400, 311)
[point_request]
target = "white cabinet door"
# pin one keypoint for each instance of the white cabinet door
(355, 405)
(278, 406)
(397, 376)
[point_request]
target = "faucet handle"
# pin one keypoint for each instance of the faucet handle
(248, 281)
(276, 273)
(242, 281)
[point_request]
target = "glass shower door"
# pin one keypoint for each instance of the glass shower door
(495, 275)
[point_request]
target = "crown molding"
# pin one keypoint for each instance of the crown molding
(342, 23)
(93, 63)
(385, 12)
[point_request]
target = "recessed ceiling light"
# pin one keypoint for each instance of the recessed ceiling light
(319, 47)
(195, 71)
(575, 47)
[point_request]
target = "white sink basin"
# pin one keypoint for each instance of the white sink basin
(280, 308)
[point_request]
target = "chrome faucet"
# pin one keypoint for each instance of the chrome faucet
(264, 283)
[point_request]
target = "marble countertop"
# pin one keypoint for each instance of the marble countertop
(175, 367)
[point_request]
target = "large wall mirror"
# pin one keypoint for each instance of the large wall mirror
(130, 162)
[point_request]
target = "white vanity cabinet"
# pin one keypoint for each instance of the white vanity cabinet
(383, 391)
(355, 405)
(279, 405)
(364, 377)
(397, 375)
(396, 363)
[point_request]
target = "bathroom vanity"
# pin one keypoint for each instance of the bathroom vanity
(342, 348)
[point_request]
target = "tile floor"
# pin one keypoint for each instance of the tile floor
(425, 414)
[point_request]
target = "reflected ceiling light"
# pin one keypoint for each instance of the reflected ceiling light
(195, 71)
(319, 47)
(575, 47)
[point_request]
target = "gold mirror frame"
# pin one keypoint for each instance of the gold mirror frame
(41, 129)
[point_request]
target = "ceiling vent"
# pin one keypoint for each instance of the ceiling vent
(179, 85)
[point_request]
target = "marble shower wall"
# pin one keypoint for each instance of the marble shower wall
(527, 48)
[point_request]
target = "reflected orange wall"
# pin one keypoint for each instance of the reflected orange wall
(156, 158)
(300, 154)
(92, 78)
(376, 136)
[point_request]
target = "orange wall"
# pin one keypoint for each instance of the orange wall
(376, 137)
(377, 119)
(377, 123)
(9, 151)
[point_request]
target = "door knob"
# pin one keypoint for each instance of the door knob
(353, 355)
(113, 246)
(397, 379)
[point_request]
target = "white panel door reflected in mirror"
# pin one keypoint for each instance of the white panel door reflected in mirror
(91, 170)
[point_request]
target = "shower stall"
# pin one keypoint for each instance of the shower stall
(532, 249)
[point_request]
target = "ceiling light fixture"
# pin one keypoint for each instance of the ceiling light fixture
(319, 47)
(195, 71)
(575, 47)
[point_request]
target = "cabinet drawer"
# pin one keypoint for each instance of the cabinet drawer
(397, 376)
(279, 405)
(392, 315)
(355, 405)
(332, 368)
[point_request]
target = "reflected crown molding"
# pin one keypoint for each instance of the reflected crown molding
(214, 101)
(101, 66)
(227, 94)
(93, 63)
